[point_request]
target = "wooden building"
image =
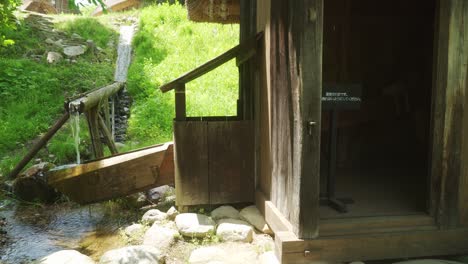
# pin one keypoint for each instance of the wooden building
(399, 153)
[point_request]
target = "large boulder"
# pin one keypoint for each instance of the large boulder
(73, 51)
(252, 215)
(154, 215)
(133, 255)
(234, 230)
(160, 236)
(194, 225)
(66, 256)
(53, 57)
(32, 186)
(134, 233)
(225, 211)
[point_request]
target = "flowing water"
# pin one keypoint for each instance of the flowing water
(124, 53)
(75, 128)
(34, 232)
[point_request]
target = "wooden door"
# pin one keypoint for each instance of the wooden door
(296, 79)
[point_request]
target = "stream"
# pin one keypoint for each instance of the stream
(36, 231)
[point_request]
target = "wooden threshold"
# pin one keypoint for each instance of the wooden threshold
(290, 249)
(363, 238)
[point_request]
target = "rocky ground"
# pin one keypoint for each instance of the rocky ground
(224, 236)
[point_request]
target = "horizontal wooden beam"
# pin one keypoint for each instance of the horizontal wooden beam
(408, 244)
(92, 99)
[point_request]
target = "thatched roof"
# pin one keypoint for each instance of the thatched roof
(218, 11)
(117, 5)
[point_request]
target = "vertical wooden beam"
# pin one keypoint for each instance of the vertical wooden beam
(107, 135)
(296, 83)
(310, 106)
(449, 109)
(92, 117)
(180, 102)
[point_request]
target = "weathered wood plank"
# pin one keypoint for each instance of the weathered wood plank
(296, 74)
(115, 176)
(92, 99)
(449, 110)
(371, 247)
(191, 163)
(231, 162)
(180, 102)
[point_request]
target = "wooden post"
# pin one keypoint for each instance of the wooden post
(33, 151)
(107, 135)
(180, 102)
(92, 116)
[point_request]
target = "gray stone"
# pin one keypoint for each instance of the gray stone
(194, 225)
(159, 193)
(234, 230)
(206, 255)
(252, 215)
(154, 215)
(73, 51)
(268, 258)
(161, 237)
(76, 36)
(225, 211)
(49, 41)
(66, 256)
(134, 230)
(172, 213)
(53, 57)
(133, 255)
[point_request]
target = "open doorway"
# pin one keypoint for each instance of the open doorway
(382, 146)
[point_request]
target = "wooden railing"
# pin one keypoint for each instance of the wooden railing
(242, 52)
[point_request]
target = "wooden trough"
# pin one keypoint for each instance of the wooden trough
(116, 176)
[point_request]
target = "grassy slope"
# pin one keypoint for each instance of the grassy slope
(32, 92)
(166, 46)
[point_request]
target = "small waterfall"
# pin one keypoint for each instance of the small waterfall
(124, 53)
(75, 128)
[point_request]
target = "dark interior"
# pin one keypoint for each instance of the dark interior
(383, 146)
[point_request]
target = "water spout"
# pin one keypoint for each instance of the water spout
(75, 128)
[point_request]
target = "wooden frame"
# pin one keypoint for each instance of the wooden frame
(443, 231)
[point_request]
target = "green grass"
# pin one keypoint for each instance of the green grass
(32, 92)
(166, 46)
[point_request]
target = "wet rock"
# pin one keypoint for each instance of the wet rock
(234, 230)
(194, 225)
(32, 186)
(76, 36)
(159, 193)
(53, 57)
(154, 215)
(172, 213)
(268, 258)
(225, 211)
(73, 51)
(133, 255)
(66, 256)
(160, 236)
(252, 215)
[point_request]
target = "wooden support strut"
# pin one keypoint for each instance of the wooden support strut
(33, 151)
(180, 102)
